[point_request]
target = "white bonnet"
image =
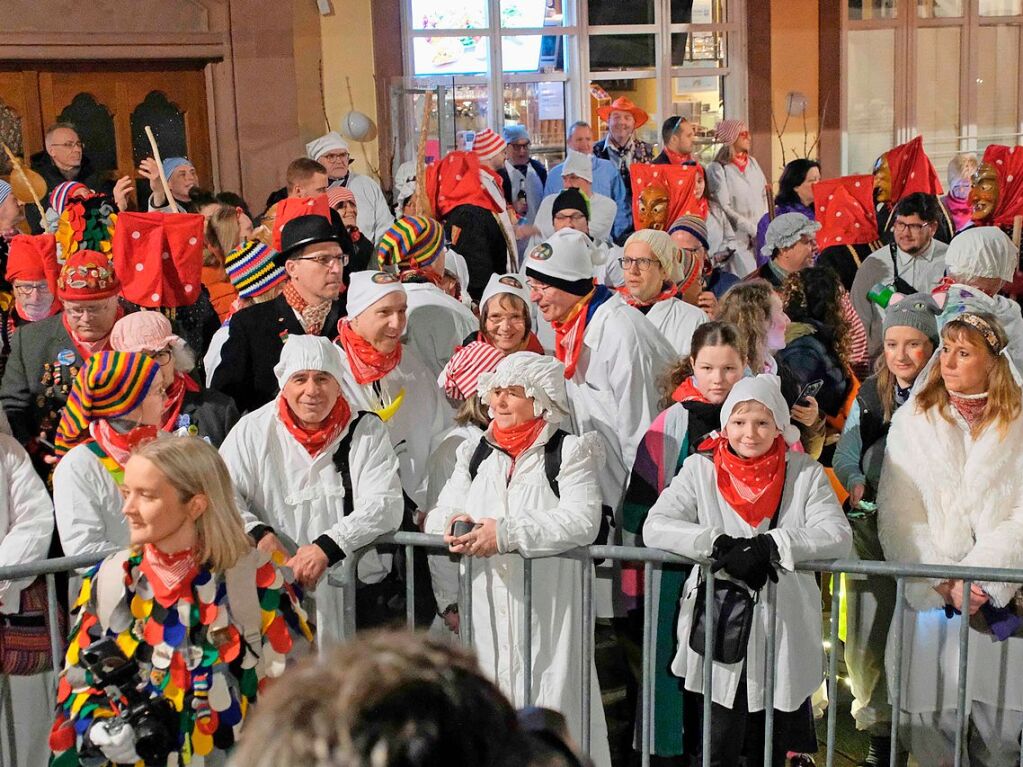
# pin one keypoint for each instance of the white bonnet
(981, 251)
(765, 389)
(542, 377)
(308, 352)
(512, 284)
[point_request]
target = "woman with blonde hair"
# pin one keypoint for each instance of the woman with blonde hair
(202, 617)
(951, 493)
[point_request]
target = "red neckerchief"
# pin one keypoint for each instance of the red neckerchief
(169, 575)
(119, 445)
(741, 161)
(971, 409)
(670, 290)
(515, 439)
(568, 335)
(678, 158)
(354, 233)
(312, 315)
(531, 344)
(367, 364)
(314, 440)
(176, 398)
(86, 349)
(751, 486)
(687, 392)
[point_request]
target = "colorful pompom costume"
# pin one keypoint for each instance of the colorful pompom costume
(207, 656)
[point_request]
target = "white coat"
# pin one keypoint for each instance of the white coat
(26, 525)
(419, 422)
(374, 216)
(677, 322)
(946, 498)
(602, 217)
(278, 484)
(437, 324)
(614, 390)
(87, 503)
(533, 522)
(686, 520)
(741, 196)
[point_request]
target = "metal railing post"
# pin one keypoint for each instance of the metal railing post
(465, 601)
(410, 586)
(56, 643)
(527, 632)
(896, 692)
(349, 584)
(709, 633)
(962, 720)
(769, 655)
(647, 668)
(836, 601)
(587, 650)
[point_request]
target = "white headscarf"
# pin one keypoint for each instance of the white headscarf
(308, 352)
(542, 377)
(981, 251)
(765, 389)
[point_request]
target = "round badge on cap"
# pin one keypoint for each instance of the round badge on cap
(384, 278)
(541, 252)
(512, 282)
(65, 357)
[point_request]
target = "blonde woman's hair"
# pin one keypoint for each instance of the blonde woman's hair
(223, 234)
(474, 412)
(194, 467)
(1003, 393)
(747, 305)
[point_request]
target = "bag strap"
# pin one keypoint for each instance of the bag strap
(479, 455)
(342, 463)
(242, 596)
(777, 512)
(552, 459)
(108, 586)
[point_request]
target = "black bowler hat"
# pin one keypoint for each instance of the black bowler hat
(308, 230)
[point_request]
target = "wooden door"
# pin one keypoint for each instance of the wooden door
(110, 105)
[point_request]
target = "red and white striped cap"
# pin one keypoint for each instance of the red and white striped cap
(488, 144)
(460, 376)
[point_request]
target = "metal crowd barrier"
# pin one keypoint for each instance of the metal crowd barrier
(344, 576)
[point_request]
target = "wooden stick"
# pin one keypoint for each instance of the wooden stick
(159, 167)
(770, 201)
(423, 207)
(16, 167)
(1017, 229)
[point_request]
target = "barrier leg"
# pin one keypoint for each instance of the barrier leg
(896, 692)
(527, 632)
(769, 659)
(708, 661)
(465, 601)
(56, 642)
(410, 587)
(647, 667)
(836, 601)
(587, 651)
(962, 720)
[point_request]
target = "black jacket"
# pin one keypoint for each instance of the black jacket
(211, 413)
(42, 164)
(477, 235)
(808, 358)
(253, 347)
(541, 171)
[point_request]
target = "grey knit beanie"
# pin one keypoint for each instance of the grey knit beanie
(914, 311)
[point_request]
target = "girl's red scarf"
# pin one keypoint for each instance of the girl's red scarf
(176, 398)
(687, 392)
(120, 445)
(367, 364)
(516, 439)
(86, 349)
(169, 575)
(314, 440)
(751, 486)
(741, 161)
(669, 290)
(531, 344)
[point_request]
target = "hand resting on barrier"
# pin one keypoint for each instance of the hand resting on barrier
(481, 541)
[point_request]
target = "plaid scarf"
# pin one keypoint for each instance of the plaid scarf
(313, 315)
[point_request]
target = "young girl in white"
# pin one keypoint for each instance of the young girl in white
(755, 509)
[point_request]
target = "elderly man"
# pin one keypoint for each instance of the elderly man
(47, 355)
(32, 272)
(314, 255)
(600, 211)
(612, 354)
(63, 159)
(315, 479)
(382, 375)
(181, 177)
(522, 177)
(331, 150)
(678, 139)
(790, 246)
(913, 263)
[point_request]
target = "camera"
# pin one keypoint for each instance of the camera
(154, 720)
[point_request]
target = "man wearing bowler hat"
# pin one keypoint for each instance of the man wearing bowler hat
(314, 255)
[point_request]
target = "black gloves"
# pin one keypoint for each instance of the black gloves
(750, 560)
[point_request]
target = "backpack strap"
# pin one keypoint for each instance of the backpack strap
(108, 586)
(246, 613)
(552, 459)
(479, 455)
(342, 462)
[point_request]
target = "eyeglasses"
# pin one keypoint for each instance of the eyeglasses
(572, 217)
(27, 290)
(326, 260)
(643, 264)
(902, 226)
(69, 145)
(539, 287)
(520, 145)
(161, 357)
(78, 312)
(335, 156)
(514, 321)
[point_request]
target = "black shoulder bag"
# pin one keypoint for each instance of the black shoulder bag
(733, 613)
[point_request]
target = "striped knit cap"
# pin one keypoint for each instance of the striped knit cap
(109, 385)
(252, 269)
(64, 191)
(412, 242)
(488, 144)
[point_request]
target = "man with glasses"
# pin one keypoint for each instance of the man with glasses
(522, 177)
(789, 245)
(914, 262)
(578, 206)
(678, 139)
(32, 272)
(46, 355)
(333, 153)
(314, 254)
(63, 159)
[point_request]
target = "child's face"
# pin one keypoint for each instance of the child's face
(751, 429)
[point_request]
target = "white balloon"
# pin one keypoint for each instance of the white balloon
(356, 125)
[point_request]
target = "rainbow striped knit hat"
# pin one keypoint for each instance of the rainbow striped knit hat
(412, 242)
(252, 269)
(109, 385)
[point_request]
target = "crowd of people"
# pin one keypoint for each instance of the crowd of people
(626, 347)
